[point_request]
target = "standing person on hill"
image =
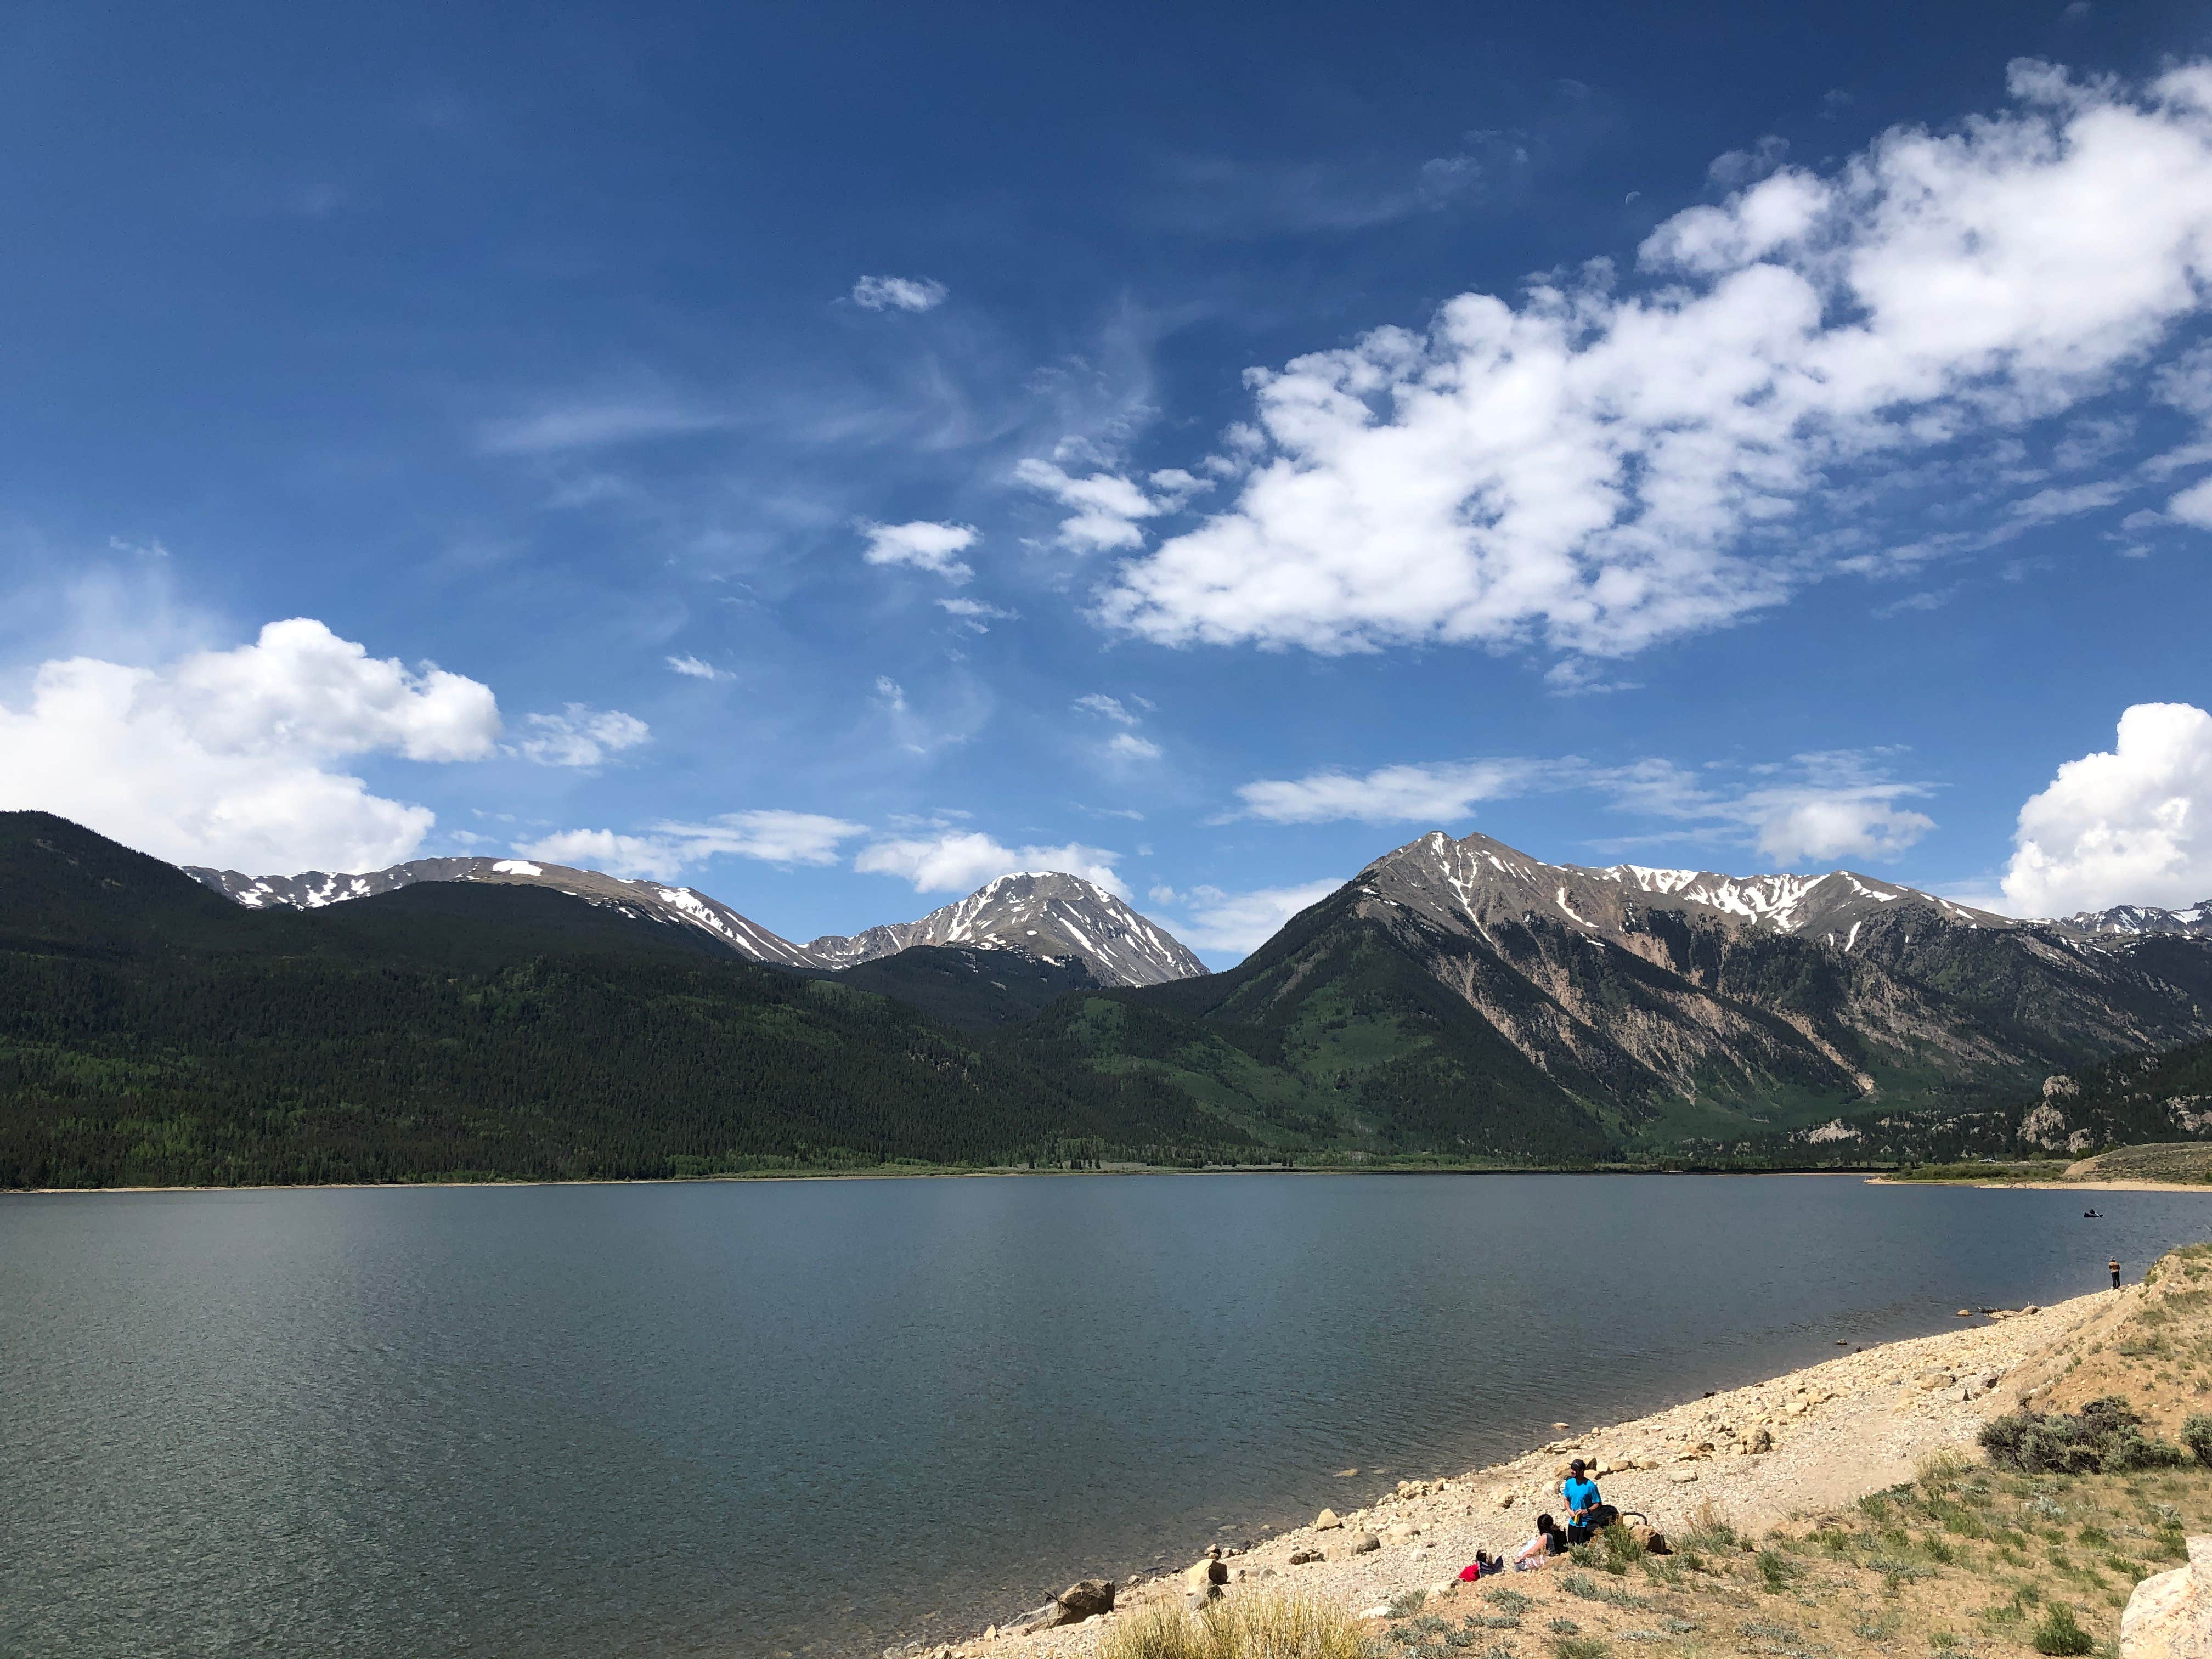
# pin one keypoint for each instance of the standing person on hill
(1581, 1498)
(2115, 1267)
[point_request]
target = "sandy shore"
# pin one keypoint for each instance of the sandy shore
(1850, 1425)
(2092, 1187)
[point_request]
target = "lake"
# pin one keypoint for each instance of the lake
(825, 1417)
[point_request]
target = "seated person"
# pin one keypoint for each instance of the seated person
(1548, 1541)
(1581, 1497)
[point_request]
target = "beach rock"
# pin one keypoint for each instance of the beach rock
(1760, 1441)
(1505, 1500)
(1327, 1520)
(2170, 1614)
(1357, 1543)
(1302, 1557)
(1087, 1599)
(1683, 1477)
(1653, 1539)
(1210, 1570)
(1047, 1617)
(1932, 1380)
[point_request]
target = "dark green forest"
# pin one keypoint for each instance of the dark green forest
(153, 1033)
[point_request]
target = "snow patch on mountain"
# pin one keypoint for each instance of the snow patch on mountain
(1043, 913)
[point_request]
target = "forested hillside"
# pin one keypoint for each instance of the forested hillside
(154, 1031)
(151, 1032)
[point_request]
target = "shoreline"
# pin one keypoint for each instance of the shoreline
(1835, 1430)
(2120, 1186)
(1001, 1173)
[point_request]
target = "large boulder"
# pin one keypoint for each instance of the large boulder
(1087, 1599)
(1207, 1571)
(2170, 1614)
(1327, 1520)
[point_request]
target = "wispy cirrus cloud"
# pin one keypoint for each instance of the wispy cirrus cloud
(666, 850)
(597, 424)
(1825, 805)
(912, 294)
(1126, 744)
(580, 735)
(961, 860)
(696, 668)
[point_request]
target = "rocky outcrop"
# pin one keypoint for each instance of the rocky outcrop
(2170, 1614)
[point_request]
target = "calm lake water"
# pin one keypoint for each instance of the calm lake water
(819, 1417)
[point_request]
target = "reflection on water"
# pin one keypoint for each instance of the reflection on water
(819, 1417)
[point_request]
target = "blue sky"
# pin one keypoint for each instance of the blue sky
(831, 454)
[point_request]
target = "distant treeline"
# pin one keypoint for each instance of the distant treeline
(152, 1033)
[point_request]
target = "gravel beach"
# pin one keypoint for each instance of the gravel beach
(1797, 1444)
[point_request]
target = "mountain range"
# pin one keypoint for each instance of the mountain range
(1456, 998)
(1049, 916)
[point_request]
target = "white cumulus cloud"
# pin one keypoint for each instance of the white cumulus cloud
(926, 546)
(1603, 466)
(963, 860)
(2193, 506)
(1107, 507)
(1240, 922)
(1827, 824)
(899, 293)
(2130, 826)
(580, 735)
(228, 757)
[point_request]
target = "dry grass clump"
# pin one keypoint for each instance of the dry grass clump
(1247, 1627)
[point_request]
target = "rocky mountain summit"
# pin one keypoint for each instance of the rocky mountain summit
(1482, 882)
(1461, 993)
(2135, 918)
(1046, 914)
(647, 901)
(1050, 917)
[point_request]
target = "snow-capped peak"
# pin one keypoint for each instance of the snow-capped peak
(1043, 913)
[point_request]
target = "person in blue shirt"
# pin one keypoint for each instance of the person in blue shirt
(1581, 1498)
